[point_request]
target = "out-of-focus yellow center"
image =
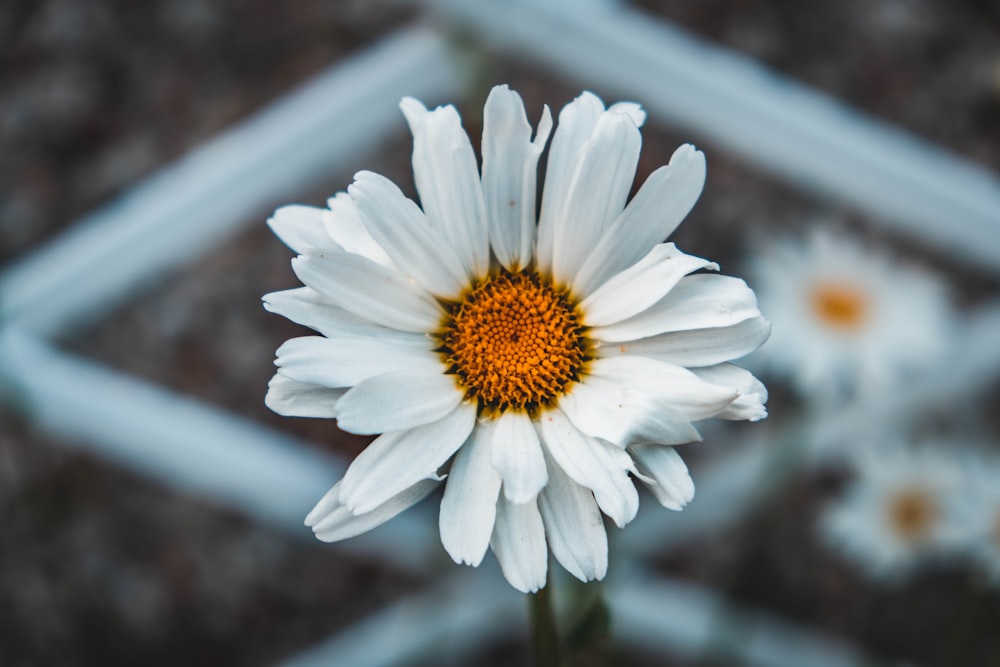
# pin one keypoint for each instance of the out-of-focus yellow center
(839, 306)
(912, 514)
(514, 341)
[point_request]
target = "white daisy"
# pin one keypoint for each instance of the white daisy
(848, 320)
(897, 512)
(977, 505)
(536, 366)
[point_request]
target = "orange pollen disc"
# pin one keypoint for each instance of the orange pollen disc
(839, 306)
(912, 514)
(514, 342)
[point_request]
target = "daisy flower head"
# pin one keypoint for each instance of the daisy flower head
(849, 321)
(534, 365)
(898, 511)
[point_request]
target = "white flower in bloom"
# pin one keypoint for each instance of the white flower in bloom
(897, 512)
(535, 366)
(847, 319)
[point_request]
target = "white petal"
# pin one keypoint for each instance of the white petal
(662, 202)
(421, 252)
(628, 400)
(340, 524)
(518, 542)
(469, 505)
(510, 162)
(670, 386)
(632, 110)
(345, 363)
(752, 392)
(574, 527)
(306, 306)
(326, 505)
(699, 347)
(599, 182)
(601, 408)
(576, 123)
(345, 227)
(640, 286)
(447, 178)
(701, 301)
(517, 456)
(395, 461)
(605, 409)
(598, 466)
(291, 398)
(369, 290)
(671, 483)
(398, 401)
(302, 228)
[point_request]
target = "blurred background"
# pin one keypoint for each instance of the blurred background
(151, 505)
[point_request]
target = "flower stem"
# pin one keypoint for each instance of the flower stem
(544, 637)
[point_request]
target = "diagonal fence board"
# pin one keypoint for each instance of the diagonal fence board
(194, 204)
(800, 135)
(445, 623)
(192, 447)
(660, 614)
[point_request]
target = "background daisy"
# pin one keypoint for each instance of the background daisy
(849, 319)
(897, 511)
(977, 506)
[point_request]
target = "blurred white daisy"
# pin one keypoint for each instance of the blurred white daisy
(535, 366)
(848, 320)
(978, 508)
(897, 512)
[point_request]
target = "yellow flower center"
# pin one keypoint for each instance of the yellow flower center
(912, 513)
(839, 306)
(514, 341)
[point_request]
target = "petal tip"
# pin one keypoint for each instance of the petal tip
(412, 108)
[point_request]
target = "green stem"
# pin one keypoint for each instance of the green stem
(544, 637)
